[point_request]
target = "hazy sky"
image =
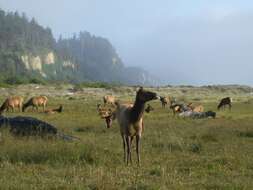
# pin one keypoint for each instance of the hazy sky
(180, 41)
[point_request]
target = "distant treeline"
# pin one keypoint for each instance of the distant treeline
(83, 57)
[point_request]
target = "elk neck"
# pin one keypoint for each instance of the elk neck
(137, 111)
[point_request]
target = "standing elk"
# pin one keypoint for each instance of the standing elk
(130, 119)
(12, 102)
(224, 102)
(109, 99)
(164, 101)
(35, 102)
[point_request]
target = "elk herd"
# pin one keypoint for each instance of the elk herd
(128, 115)
(35, 102)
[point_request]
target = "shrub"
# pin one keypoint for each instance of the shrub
(16, 80)
(37, 81)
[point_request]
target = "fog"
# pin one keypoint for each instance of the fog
(182, 42)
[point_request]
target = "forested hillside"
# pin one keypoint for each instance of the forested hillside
(29, 51)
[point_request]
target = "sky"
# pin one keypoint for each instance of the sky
(193, 42)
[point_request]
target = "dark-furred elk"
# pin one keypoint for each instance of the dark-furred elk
(224, 102)
(36, 102)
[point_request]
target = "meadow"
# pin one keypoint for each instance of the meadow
(176, 153)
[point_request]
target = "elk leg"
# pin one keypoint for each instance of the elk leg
(128, 148)
(124, 147)
(138, 141)
(131, 140)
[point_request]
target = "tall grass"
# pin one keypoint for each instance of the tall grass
(175, 153)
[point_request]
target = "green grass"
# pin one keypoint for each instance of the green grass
(211, 154)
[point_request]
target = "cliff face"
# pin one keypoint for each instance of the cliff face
(46, 65)
(30, 49)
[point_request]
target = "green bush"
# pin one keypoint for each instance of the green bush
(16, 80)
(37, 81)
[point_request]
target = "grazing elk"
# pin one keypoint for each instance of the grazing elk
(53, 111)
(35, 102)
(109, 99)
(224, 102)
(130, 119)
(12, 102)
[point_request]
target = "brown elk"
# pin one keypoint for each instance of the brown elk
(198, 108)
(12, 102)
(224, 102)
(164, 101)
(130, 119)
(109, 99)
(35, 102)
(176, 108)
(108, 115)
(53, 111)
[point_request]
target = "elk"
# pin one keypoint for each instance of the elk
(198, 108)
(179, 108)
(12, 102)
(164, 101)
(149, 108)
(108, 115)
(53, 111)
(109, 99)
(130, 119)
(35, 102)
(224, 102)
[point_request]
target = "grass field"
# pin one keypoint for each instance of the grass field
(176, 153)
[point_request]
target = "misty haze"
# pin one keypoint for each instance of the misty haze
(177, 42)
